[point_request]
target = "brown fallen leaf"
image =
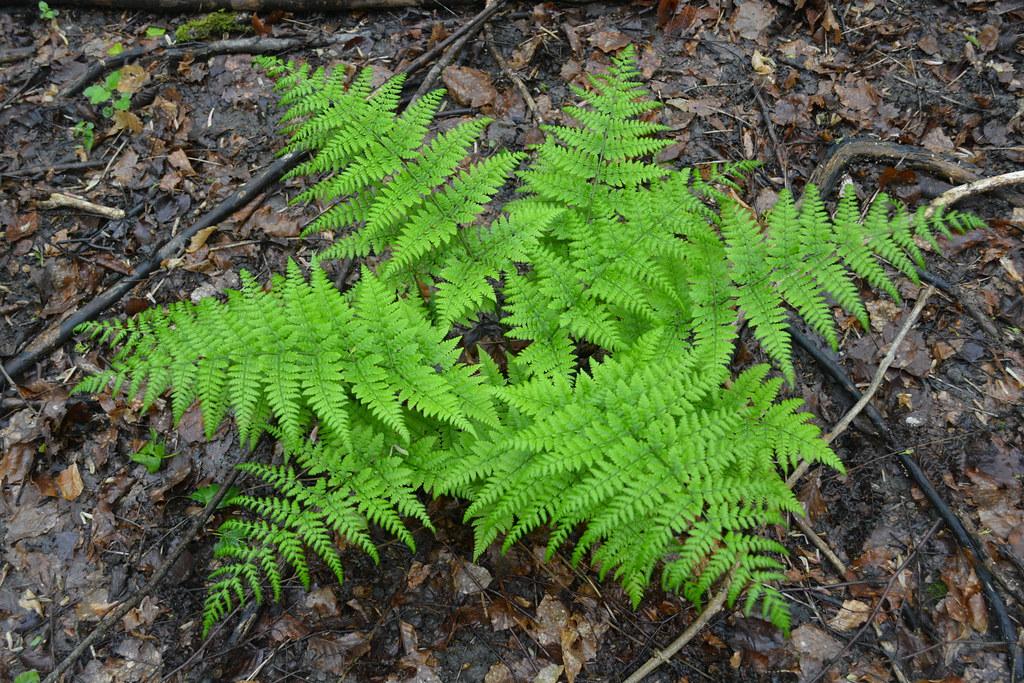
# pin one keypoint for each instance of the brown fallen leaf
(751, 18)
(125, 168)
(610, 41)
(133, 77)
(199, 239)
(523, 54)
(179, 160)
(851, 615)
(469, 87)
(126, 120)
(23, 226)
(69, 482)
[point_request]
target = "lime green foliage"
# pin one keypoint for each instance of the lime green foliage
(106, 94)
(46, 12)
(152, 453)
(213, 25)
(204, 494)
(620, 430)
(85, 130)
(33, 675)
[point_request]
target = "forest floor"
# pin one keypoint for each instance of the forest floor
(83, 526)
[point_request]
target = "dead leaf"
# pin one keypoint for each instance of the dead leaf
(551, 617)
(499, 673)
(335, 655)
(814, 647)
(666, 10)
(610, 41)
(143, 615)
(988, 38)
(937, 141)
(549, 674)
(199, 239)
(69, 483)
(522, 55)
(17, 462)
(851, 615)
(126, 120)
(179, 160)
(470, 578)
(751, 18)
(762, 65)
(133, 77)
(469, 87)
(23, 226)
(125, 169)
(31, 521)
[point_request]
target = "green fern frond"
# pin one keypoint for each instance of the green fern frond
(616, 424)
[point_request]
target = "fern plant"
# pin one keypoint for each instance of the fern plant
(620, 428)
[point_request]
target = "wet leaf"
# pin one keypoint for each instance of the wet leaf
(133, 77)
(126, 120)
(551, 617)
(851, 615)
(31, 521)
(24, 225)
(469, 87)
(69, 483)
(470, 578)
(549, 674)
(751, 18)
(523, 53)
(610, 41)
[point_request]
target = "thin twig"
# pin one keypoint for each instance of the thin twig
(876, 382)
(820, 544)
(961, 192)
(878, 603)
(663, 655)
(115, 615)
(455, 46)
(715, 606)
(531, 104)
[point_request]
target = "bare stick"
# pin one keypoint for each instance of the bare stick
(663, 655)
(60, 200)
(876, 382)
(961, 192)
(820, 544)
(467, 32)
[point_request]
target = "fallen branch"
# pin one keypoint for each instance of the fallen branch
(60, 200)
(118, 612)
(259, 45)
(454, 44)
(997, 607)
(961, 192)
(63, 331)
(826, 175)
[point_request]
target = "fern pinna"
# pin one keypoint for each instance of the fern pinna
(619, 428)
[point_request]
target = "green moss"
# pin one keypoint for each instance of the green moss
(212, 25)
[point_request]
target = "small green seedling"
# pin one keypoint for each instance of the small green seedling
(155, 32)
(85, 130)
(48, 13)
(204, 494)
(152, 454)
(33, 675)
(101, 93)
